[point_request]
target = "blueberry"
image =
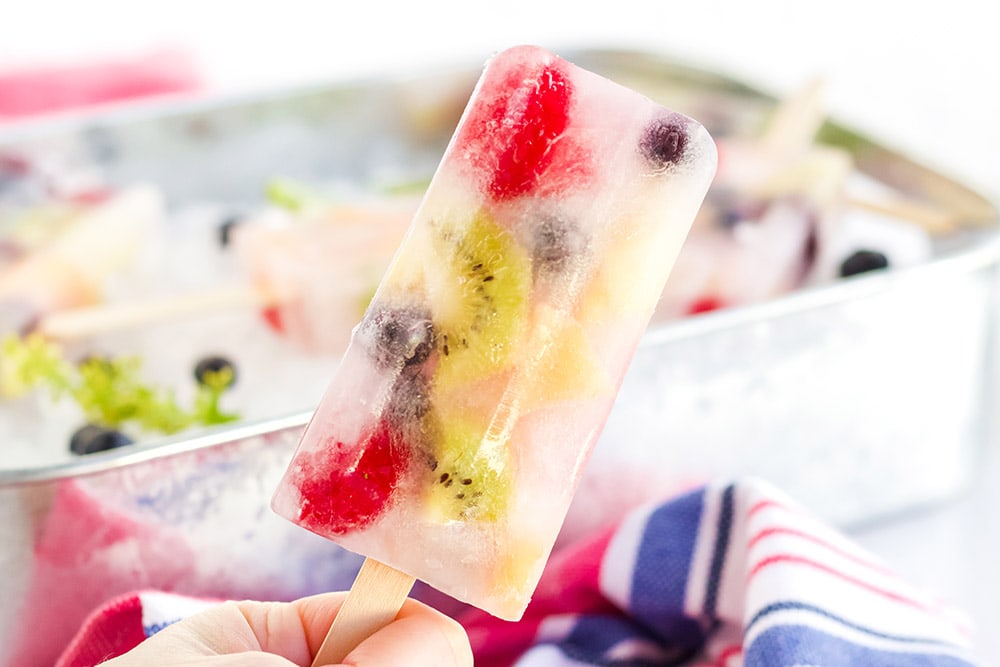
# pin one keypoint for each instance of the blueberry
(226, 229)
(861, 261)
(397, 337)
(214, 365)
(91, 438)
(664, 141)
(411, 398)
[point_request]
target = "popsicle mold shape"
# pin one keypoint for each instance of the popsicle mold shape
(454, 432)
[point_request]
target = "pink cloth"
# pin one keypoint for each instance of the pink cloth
(33, 91)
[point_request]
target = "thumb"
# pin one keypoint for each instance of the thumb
(419, 637)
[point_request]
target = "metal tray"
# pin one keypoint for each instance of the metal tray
(860, 399)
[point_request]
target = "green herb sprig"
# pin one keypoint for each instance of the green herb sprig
(109, 391)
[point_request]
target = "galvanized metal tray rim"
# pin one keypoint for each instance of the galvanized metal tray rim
(981, 257)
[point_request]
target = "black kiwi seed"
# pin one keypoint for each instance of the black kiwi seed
(397, 337)
(664, 141)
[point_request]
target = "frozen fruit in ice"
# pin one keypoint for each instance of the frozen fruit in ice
(410, 400)
(626, 281)
(468, 477)
(513, 136)
(397, 337)
(477, 279)
(664, 140)
(566, 366)
(346, 486)
(408, 406)
(556, 242)
(93, 438)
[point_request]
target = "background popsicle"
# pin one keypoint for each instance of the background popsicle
(451, 438)
(73, 268)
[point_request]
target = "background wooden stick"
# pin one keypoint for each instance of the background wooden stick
(374, 601)
(103, 318)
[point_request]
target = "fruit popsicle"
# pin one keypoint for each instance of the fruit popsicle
(311, 276)
(72, 269)
(317, 272)
(455, 429)
(771, 211)
(763, 224)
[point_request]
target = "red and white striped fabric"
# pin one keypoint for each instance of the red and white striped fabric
(727, 575)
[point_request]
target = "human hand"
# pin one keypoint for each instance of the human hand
(276, 634)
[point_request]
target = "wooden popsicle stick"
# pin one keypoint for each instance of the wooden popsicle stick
(375, 598)
(793, 127)
(796, 120)
(934, 219)
(79, 323)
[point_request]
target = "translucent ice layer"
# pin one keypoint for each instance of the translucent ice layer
(454, 432)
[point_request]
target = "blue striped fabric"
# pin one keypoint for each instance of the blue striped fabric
(803, 645)
(730, 575)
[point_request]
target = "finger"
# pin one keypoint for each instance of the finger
(294, 630)
(316, 614)
(218, 631)
(419, 637)
(231, 631)
(245, 659)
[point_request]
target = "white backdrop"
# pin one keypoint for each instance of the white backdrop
(921, 76)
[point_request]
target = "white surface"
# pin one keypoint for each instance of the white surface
(919, 76)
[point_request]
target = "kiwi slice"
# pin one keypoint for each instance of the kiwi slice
(477, 278)
(467, 480)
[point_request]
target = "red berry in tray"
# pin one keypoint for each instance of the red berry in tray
(272, 317)
(514, 136)
(363, 486)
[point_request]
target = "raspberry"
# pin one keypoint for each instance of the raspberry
(272, 316)
(517, 131)
(705, 304)
(340, 494)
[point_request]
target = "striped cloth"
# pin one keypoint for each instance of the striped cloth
(726, 575)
